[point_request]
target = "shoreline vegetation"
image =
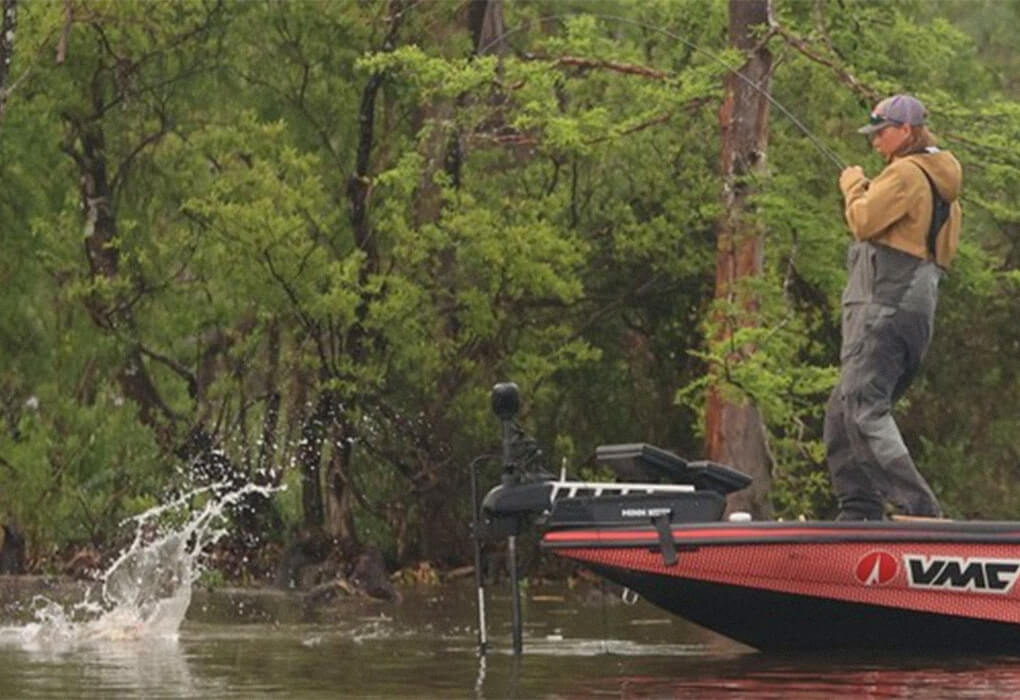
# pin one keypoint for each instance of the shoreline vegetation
(265, 601)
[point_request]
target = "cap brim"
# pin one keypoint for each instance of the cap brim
(872, 128)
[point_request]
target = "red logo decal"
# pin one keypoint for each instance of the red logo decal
(876, 568)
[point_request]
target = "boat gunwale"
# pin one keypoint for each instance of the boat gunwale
(610, 535)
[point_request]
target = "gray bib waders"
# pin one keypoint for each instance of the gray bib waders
(888, 314)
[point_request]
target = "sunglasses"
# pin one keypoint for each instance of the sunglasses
(879, 119)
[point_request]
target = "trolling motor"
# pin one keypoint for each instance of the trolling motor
(654, 488)
(506, 404)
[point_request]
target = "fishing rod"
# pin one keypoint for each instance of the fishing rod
(815, 141)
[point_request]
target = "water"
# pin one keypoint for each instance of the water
(148, 632)
(577, 645)
(146, 592)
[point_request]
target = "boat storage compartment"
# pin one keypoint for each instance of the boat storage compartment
(637, 508)
(640, 461)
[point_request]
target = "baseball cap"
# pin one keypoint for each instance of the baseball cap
(895, 110)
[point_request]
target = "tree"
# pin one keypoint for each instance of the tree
(323, 231)
(735, 433)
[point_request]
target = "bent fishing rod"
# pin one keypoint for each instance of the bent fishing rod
(815, 141)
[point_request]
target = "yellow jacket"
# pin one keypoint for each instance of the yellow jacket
(895, 208)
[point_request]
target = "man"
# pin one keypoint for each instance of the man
(905, 225)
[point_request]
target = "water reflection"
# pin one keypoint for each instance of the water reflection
(273, 645)
(153, 668)
(762, 676)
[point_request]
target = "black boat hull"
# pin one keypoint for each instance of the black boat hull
(773, 621)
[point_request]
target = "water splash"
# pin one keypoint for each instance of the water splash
(146, 591)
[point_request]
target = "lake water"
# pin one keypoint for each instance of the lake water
(580, 643)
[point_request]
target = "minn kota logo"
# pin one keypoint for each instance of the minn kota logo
(876, 568)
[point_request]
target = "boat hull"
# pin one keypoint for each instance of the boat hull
(909, 586)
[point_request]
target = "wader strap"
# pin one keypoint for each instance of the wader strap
(939, 213)
(666, 544)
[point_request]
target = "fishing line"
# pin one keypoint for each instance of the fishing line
(815, 141)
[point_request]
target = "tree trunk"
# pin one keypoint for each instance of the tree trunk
(485, 20)
(265, 473)
(486, 24)
(86, 145)
(440, 532)
(487, 27)
(310, 458)
(358, 340)
(8, 22)
(339, 497)
(735, 433)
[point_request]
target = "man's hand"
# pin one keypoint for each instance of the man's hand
(850, 177)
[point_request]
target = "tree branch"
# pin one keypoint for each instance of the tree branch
(691, 106)
(845, 76)
(591, 63)
(120, 174)
(179, 369)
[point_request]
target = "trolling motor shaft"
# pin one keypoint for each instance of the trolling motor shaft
(506, 404)
(476, 541)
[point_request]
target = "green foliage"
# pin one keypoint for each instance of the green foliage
(74, 471)
(546, 215)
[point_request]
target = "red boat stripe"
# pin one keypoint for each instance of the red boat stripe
(728, 533)
(988, 533)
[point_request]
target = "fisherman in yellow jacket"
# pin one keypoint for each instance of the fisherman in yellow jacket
(905, 226)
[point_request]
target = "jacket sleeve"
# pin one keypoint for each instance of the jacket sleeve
(871, 207)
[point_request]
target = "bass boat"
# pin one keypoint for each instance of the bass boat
(659, 530)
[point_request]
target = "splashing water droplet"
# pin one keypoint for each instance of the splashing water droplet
(146, 592)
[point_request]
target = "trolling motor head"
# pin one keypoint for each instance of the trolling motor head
(506, 401)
